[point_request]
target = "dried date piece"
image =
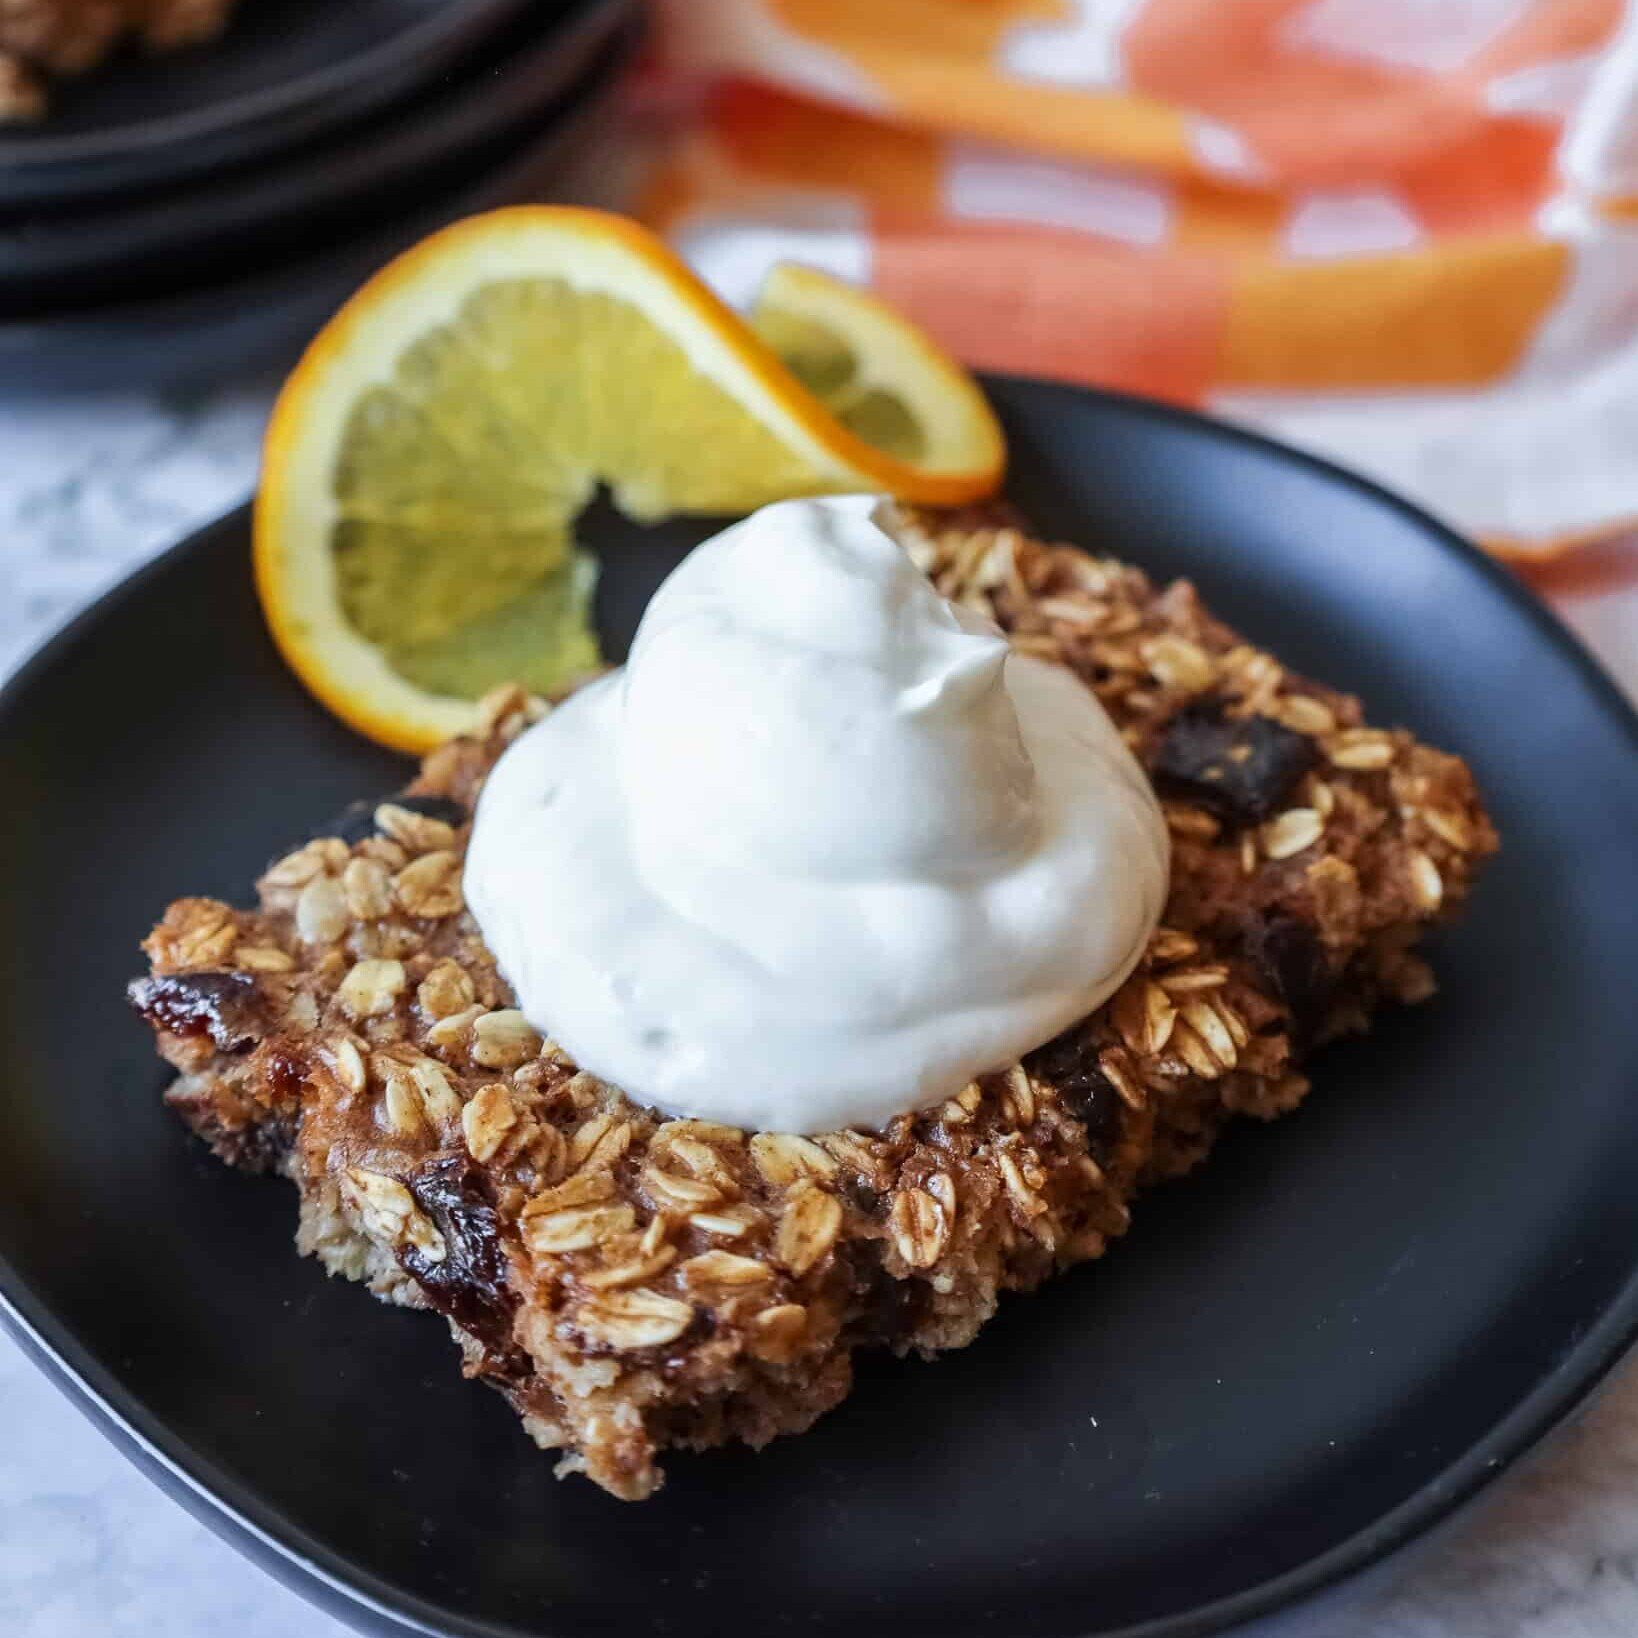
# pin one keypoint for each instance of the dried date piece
(1292, 960)
(226, 1006)
(1069, 1063)
(469, 1285)
(1239, 768)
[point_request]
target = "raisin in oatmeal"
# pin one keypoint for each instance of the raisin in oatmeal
(633, 1283)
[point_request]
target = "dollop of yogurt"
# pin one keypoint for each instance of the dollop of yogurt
(823, 850)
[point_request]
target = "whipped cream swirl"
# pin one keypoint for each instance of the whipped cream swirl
(823, 850)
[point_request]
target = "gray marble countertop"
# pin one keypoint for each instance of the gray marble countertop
(90, 488)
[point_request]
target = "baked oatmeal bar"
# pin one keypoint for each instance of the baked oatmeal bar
(631, 1282)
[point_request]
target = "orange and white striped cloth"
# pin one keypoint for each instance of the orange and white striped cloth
(1401, 232)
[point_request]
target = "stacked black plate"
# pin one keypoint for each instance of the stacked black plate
(175, 215)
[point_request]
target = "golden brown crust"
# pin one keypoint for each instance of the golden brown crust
(632, 1282)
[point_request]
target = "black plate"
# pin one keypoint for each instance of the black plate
(284, 71)
(193, 336)
(1302, 1357)
(298, 206)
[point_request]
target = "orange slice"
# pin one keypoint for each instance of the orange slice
(427, 459)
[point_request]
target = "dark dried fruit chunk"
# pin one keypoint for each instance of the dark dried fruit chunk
(1069, 1063)
(226, 1006)
(469, 1285)
(886, 1308)
(1291, 958)
(259, 1148)
(356, 822)
(1239, 768)
(863, 1196)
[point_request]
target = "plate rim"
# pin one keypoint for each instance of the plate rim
(538, 80)
(232, 1510)
(187, 310)
(439, 30)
